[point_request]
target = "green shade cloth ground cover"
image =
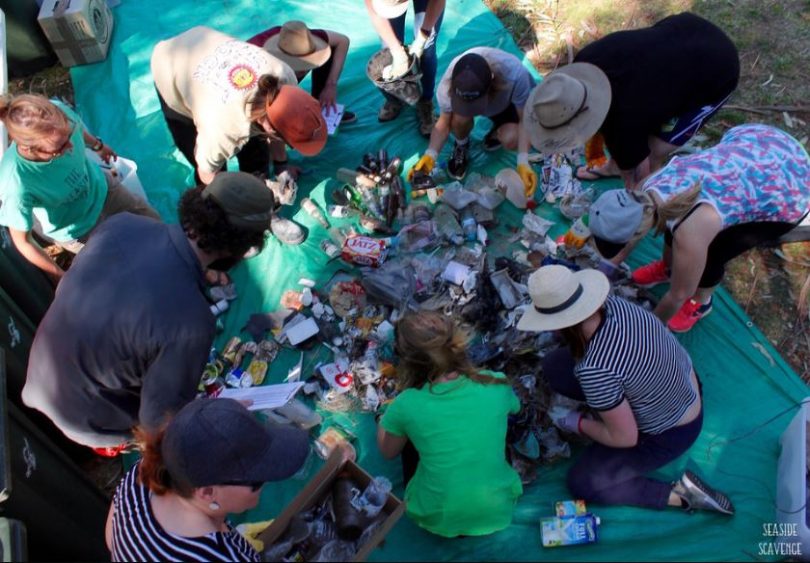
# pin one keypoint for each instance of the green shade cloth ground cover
(746, 382)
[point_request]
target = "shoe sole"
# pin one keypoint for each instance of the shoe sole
(720, 502)
(681, 331)
(492, 149)
(651, 284)
(454, 177)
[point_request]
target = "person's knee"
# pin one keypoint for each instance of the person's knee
(508, 136)
(461, 126)
(660, 149)
(582, 482)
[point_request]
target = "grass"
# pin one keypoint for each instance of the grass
(773, 39)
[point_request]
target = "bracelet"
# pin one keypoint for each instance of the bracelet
(98, 146)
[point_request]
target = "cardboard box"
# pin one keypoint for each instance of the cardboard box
(318, 487)
(79, 30)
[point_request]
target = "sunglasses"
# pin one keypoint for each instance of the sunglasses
(254, 486)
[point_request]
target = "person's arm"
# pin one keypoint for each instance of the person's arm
(633, 178)
(31, 251)
(438, 137)
(616, 429)
(108, 527)
(340, 46)
(95, 144)
(524, 169)
(390, 445)
(433, 12)
(383, 28)
(690, 247)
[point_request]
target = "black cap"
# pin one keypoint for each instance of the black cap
(469, 85)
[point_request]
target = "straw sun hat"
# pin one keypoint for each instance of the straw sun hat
(567, 107)
(298, 47)
(562, 298)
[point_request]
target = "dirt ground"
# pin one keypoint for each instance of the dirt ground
(773, 39)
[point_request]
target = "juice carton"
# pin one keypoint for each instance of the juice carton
(569, 530)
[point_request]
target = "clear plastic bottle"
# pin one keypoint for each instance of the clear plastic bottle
(578, 234)
(447, 224)
(468, 224)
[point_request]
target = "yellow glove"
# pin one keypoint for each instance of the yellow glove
(425, 165)
(529, 178)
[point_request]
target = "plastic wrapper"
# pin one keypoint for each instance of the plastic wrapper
(536, 224)
(417, 237)
(458, 199)
(392, 284)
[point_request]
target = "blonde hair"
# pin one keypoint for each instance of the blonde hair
(30, 118)
(657, 216)
(430, 345)
(266, 91)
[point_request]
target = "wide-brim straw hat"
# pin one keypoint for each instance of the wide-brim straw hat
(567, 108)
(298, 47)
(390, 9)
(562, 298)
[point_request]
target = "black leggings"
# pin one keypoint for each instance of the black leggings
(253, 158)
(732, 242)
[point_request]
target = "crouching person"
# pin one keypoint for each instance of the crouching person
(624, 363)
(449, 423)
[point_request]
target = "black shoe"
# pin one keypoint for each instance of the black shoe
(697, 495)
(457, 165)
(491, 142)
(348, 117)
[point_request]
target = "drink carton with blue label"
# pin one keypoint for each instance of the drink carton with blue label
(569, 530)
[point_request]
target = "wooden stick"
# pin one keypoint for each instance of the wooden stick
(764, 110)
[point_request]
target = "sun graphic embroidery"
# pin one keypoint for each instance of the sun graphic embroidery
(242, 77)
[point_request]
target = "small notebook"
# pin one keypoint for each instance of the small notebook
(265, 396)
(333, 118)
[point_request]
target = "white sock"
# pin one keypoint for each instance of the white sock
(462, 142)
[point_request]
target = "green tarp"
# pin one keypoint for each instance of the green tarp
(745, 381)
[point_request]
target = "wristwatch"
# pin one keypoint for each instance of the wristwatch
(98, 146)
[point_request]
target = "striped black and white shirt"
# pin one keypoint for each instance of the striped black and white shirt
(633, 356)
(137, 535)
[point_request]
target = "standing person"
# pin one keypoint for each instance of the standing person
(46, 175)
(646, 91)
(223, 97)
(388, 18)
(321, 51)
(455, 417)
(128, 334)
(480, 81)
(750, 189)
(632, 371)
(209, 461)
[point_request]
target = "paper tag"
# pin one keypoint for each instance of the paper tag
(333, 117)
(338, 376)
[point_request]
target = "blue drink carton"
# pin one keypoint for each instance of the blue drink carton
(569, 530)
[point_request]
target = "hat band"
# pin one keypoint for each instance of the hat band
(582, 108)
(562, 306)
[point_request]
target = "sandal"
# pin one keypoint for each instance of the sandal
(595, 174)
(216, 277)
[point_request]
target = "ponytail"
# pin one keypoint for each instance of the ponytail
(29, 118)
(153, 473)
(266, 91)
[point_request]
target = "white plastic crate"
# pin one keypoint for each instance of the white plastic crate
(791, 487)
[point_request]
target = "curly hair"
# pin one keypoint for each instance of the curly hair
(207, 224)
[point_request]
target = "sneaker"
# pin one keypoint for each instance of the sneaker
(689, 313)
(348, 117)
(457, 165)
(424, 113)
(491, 141)
(390, 110)
(699, 496)
(286, 231)
(113, 451)
(651, 274)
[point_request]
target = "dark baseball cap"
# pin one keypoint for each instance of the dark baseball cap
(219, 441)
(245, 199)
(471, 86)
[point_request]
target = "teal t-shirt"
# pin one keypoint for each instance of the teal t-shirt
(66, 194)
(463, 484)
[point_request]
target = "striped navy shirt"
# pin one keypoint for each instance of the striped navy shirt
(137, 535)
(633, 356)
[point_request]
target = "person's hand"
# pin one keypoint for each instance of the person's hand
(425, 165)
(399, 64)
(418, 46)
(328, 97)
(293, 171)
(569, 421)
(529, 178)
(106, 153)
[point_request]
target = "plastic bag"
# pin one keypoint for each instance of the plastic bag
(390, 284)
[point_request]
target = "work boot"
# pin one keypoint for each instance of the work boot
(286, 231)
(491, 141)
(390, 110)
(697, 495)
(457, 165)
(424, 113)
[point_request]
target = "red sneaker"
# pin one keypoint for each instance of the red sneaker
(113, 451)
(651, 274)
(689, 313)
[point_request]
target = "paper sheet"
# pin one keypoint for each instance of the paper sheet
(264, 397)
(333, 118)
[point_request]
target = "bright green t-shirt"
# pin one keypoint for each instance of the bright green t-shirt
(66, 194)
(463, 484)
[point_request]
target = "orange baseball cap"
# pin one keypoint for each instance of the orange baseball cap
(296, 116)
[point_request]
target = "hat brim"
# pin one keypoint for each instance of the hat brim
(314, 145)
(606, 248)
(583, 126)
(595, 289)
(286, 451)
(300, 63)
(387, 11)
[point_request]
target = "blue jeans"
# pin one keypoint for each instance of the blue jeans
(605, 475)
(429, 61)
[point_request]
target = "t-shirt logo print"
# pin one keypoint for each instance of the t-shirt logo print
(230, 69)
